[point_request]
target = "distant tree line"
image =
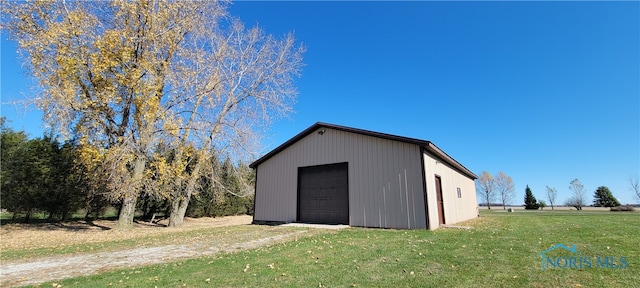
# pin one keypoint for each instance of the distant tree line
(602, 197)
(500, 186)
(42, 175)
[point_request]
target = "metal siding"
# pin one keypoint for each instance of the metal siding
(381, 188)
(377, 189)
(455, 209)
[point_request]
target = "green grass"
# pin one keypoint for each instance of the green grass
(36, 217)
(5, 216)
(502, 250)
(43, 217)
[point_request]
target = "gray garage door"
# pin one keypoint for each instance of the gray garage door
(323, 194)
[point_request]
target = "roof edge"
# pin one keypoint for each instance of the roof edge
(428, 145)
(286, 144)
(446, 158)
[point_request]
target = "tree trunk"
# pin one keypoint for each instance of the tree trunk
(174, 210)
(487, 197)
(65, 215)
(127, 211)
(27, 217)
(128, 208)
(179, 204)
(174, 220)
(182, 210)
(178, 210)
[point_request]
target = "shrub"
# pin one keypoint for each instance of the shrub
(628, 208)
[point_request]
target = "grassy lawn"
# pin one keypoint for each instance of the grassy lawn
(502, 249)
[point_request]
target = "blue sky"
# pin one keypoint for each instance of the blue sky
(545, 91)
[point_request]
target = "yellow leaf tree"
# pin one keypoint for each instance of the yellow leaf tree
(486, 185)
(503, 184)
(129, 78)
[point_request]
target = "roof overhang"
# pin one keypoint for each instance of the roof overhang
(433, 149)
(427, 145)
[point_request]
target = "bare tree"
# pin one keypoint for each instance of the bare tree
(552, 194)
(248, 83)
(486, 187)
(504, 186)
(577, 199)
(634, 185)
(126, 78)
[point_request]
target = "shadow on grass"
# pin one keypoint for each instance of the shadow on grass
(90, 222)
(73, 224)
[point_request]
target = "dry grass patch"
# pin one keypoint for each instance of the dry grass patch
(37, 265)
(49, 238)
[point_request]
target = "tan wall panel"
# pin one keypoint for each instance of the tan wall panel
(385, 179)
(455, 209)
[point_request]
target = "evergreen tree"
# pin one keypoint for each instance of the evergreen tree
(604, 198)
(37, 175)
(63, 193)
(13, 181)
(530, 202)
(223, 191)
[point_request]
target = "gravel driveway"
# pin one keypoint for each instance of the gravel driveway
(35, 271)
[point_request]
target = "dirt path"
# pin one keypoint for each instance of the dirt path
(34, 271)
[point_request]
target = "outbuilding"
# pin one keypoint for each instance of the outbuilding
(332, 174)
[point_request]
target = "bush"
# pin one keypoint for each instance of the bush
(38, 176)
(628, 208)
(227, 205)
